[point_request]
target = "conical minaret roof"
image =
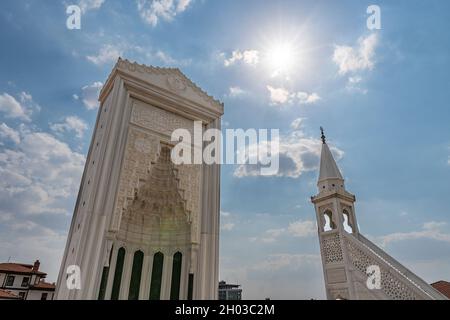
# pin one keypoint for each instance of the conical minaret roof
(328, 167)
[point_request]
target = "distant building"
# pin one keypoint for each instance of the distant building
(229, 291)
(443, 287)
(24, 281)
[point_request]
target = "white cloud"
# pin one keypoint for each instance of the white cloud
(433, 225)
(4, 217)
(430, 230)
(250, 57)
(269, 236)
(354, 80)
(107, 54)
(71, 123)
(302, 229)
(90, 94)
(297, 123)
(361, 57)
(280, 96)
(226, 222)
(86, 5)
(9, 133)
(354, 85)
(235, 92)
(38, 175)
(297, 154)
(276, 262)
(24, 241)
(298, 229)
(227, 226)
(164, 57)
(235, 56)
(305, 98)
(167, 59)
(152, 11)
(448, 160)
(14, 109)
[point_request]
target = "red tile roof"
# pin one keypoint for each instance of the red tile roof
(42, 285)
(443, 287)
(21, 268)
(7, 295)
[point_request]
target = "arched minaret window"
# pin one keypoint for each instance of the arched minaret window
(176, 276)
(118, 274)
(155, 285)
(329, 224)
(136, 272)
(346, 223)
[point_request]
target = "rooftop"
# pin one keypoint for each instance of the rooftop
(8, 295)
(224, 285)
(443, 287)
(21, 268)
(42, 285)
(171, 79)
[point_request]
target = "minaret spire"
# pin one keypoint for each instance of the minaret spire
(323, 135)
(329, 174)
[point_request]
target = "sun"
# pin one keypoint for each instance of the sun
(281, 58)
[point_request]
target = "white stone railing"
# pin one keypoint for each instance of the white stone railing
(397, 266)
(394, 283)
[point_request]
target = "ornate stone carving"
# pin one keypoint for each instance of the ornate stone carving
(143, 148)
(159, 120)
(136, 165)
(332, 248)
(157, 215)
(336, 275)
(391, 285)
(179, 82)
(176, 83)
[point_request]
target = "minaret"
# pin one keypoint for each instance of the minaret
(355, 268)
(335, 214)
(329, 174)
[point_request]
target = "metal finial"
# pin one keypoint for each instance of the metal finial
(323, 135)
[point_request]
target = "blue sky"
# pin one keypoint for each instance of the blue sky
(382, 96)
